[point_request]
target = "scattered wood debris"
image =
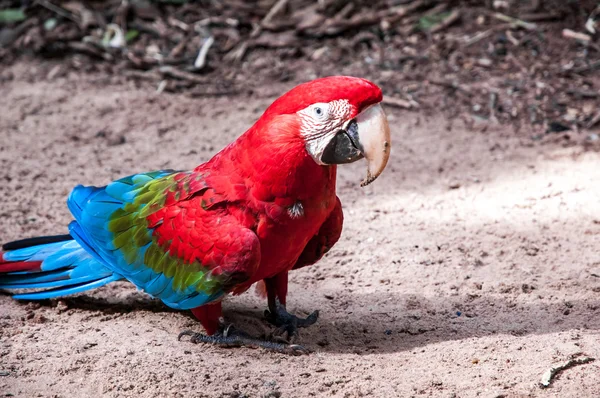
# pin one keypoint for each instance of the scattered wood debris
(549, 375)
(400, 103)
(569, 34)
(506, 62)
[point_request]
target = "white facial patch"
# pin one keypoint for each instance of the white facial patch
(320, 122)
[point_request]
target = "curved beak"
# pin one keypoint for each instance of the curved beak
(366, 136)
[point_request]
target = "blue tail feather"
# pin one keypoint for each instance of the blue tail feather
(66, 268)
(31, 278)
(28, 253)
(64, 291)
(54, 284)
(69, 253)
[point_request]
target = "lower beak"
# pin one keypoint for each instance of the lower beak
(366, 136)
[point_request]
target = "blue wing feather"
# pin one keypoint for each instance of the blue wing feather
(93, 208)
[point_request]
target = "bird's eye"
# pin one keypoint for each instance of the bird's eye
(319, 112)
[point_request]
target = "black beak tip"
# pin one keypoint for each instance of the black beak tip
(344, 147)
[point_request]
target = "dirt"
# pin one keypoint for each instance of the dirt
(468, 269)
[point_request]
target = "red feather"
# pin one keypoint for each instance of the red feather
(20, 266)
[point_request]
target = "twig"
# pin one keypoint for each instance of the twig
(212, 92)
(323, 5)
(594, 121)
(179, 74)
(436, 10)
(58, 10)
(276, 9)
(515, 21)
(144, 61)
(493, 102)
(512, 39)
(161, 86)
(453, 17)
(178, 24)
(218, 21)
(582, 69)
(542, 16)
(535, 5)
(397, 13)
(453, 85)
(178, 49)
(570, 34)
(583, 93)
(400, 103)
(146, 28)
(142, 75)
(482, 35)
(89, 49)
(271, 40)
(201, 58)
(344, 12)
(237, 53)
(553, 371)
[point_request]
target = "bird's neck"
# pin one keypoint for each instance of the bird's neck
(272, 162)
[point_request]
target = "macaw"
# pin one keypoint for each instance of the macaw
(264, 205)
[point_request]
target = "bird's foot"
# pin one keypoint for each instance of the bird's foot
(229, 336)
(288, 324)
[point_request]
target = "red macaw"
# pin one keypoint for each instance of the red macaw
(262, 206)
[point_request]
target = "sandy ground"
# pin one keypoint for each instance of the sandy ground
(468, 269)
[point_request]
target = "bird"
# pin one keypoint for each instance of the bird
(261, 207)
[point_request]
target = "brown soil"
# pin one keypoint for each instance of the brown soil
(468, 269)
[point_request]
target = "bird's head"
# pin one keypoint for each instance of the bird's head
(340, 120)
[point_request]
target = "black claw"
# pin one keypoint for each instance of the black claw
(185, 333)
(288, 324)
(309, 320)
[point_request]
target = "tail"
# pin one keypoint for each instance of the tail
(54, 265)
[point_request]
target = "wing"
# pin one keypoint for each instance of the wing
(168, 233)
(323, 241)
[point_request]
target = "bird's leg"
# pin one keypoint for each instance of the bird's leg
(229, 336)
(277, 314)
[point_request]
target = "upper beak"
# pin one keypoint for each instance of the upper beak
(366, 136)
